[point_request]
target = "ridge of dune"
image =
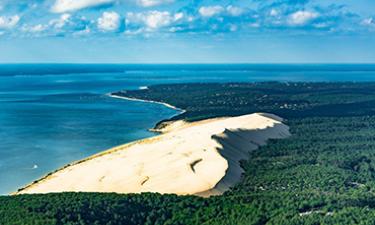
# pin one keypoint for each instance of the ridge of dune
(200, 158)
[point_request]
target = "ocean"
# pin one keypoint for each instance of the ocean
(53, 114)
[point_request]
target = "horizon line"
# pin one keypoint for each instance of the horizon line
(171, 63)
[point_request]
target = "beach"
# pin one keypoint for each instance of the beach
(148, 101)
(198, 158)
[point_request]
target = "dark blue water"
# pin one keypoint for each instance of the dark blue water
(51, 115)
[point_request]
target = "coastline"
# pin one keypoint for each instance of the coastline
(162, 125)
(101, 153)
(115, 148)
(227, 140)
(201, 158)
(148, 101)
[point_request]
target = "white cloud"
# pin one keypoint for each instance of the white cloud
(234, 10)
(7, 22)
(254, 25)
(178, 16)
(190, 19)
(84, 32)
(65, 24)
(69, 24)
(153, 19)
(62, 6)
(134, 32)
(175, 29)
(368, 22)
(60, 22)
(34, 29)
(109, 21)
(302, 17)
(38, 28)
(274, 12)
(209, 11)
(150, 3)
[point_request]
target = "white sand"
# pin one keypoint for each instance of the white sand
(148, 101)
(199, 158)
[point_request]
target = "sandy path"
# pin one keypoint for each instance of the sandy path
(191, 158)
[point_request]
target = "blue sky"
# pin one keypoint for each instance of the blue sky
(187, 31)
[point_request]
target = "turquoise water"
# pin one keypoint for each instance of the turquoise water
(51, 115)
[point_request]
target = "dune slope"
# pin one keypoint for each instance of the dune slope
(199, 158)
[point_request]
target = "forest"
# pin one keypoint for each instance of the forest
(323, 174)
(288, 100)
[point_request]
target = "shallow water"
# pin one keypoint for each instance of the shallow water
(51, 115)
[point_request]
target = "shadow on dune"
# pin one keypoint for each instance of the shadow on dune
(236, 146)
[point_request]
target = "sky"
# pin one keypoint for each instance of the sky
(187, 31)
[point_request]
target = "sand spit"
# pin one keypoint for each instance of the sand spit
(200, 158)
(148, 101)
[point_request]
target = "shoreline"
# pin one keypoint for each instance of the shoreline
(147, 101)
(227, 171)
(161, 125)
(77, 162)
(114, 148)
(215, 148)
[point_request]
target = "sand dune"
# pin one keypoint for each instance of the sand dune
(199, 158)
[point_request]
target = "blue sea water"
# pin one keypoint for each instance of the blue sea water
(53, 114)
